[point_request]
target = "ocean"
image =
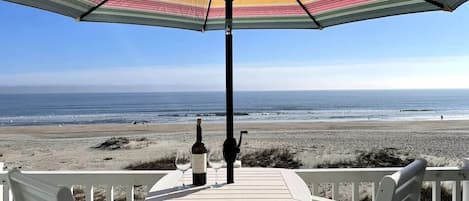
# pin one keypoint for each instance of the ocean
(182, 107)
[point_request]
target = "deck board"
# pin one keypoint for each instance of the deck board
(251, 184)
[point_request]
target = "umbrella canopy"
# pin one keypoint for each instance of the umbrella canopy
(203, 15)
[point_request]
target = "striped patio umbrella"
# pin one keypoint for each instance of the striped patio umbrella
(203, 15)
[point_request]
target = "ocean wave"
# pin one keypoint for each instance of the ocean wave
(214, 114)
(416, 110)
(241, 116)
(347, 117)
(44, 123)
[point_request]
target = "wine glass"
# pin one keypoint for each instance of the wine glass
(183, 163)
(216, 161)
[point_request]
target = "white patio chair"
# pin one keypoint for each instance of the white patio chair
(404, 185)
(26, 188)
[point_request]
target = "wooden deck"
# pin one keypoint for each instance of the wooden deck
(256, 184)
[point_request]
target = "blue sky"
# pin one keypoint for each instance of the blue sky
(42, 49)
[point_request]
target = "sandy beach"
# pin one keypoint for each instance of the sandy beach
(68, 147)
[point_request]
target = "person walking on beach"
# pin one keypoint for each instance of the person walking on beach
(441, 117)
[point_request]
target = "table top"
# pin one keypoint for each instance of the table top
(257, 184)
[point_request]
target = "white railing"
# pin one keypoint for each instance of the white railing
(90, 180)
(457, 176)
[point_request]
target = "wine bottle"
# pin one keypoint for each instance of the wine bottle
(199, 159)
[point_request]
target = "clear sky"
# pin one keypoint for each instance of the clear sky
(45, 51)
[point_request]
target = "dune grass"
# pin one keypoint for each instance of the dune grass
(165, 163)
(273, 157)
(387, 157)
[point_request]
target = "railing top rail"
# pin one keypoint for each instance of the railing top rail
(309, 175)
(117, 172)
(319, 170)
(126, 177)
(387, 169)
(375, 174)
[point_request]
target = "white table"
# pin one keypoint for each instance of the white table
(259, 184)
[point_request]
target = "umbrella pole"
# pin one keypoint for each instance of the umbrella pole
(229, 147)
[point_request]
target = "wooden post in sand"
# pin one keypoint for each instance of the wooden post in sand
(465, 184)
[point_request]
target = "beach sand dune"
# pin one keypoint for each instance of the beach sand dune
(68, 147)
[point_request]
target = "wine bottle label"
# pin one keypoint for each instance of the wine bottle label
(199, 163)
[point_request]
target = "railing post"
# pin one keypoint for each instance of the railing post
(465, 184)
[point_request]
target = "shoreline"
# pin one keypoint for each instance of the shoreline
(241, 122)
(184, 126)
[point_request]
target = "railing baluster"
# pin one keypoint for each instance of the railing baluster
(71, 190)
(465, 190)
(436, 191)
(456, 191)
(465, 184)
(355, 191)
(335, 191)
(315, 189)
(109, 193)
(69, 187)
(89, 193)
(6, 192)
(130, 193)
(84, 181)
(3, 183)
(374, 190)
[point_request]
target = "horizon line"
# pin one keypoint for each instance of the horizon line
(223, 91)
